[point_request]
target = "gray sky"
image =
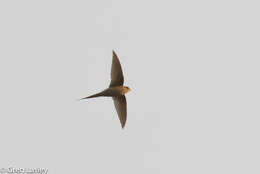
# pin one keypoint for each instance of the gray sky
(193, 67)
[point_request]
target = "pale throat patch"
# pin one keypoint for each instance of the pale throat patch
(124, 90)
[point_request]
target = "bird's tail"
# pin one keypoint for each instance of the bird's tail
(103, 93)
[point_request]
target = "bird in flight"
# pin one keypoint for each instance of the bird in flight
(116, 90)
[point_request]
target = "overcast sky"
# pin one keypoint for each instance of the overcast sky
(193, 67)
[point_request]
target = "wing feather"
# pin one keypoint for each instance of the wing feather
(117, 77)
(121, 108)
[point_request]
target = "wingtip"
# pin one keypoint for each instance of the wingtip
(122, 126)
(113, 51)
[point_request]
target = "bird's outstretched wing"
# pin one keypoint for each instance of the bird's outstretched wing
(117, 77)
(121, 107)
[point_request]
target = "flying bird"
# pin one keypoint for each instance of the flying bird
(116, 90)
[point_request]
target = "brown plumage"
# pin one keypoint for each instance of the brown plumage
(116, 90)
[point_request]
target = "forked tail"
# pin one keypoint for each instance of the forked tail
(103, 93)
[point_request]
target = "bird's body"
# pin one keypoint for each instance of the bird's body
(116, 90)
(111, 92)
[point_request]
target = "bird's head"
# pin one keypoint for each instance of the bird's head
(126, 89)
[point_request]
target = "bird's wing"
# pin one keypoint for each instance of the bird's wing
(120, 104)
(117, 77)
